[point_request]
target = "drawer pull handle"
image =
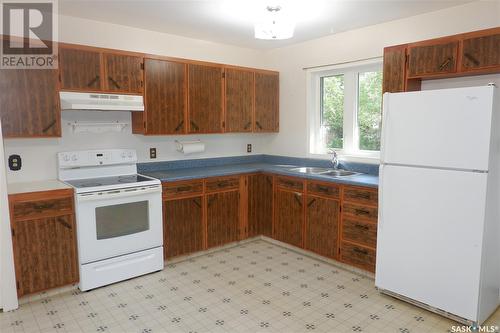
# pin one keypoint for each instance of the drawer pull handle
(194, 126)
(247, 126)
(323, 188)
(362, 196)
(289, 183)
(363, 227)
(94, 80)
(44, 206)
(114, 82)
(184, 188)
(362, 212)
(269, 180)
(472, 59)
(179, 126)
(195, 201)
(359, 251)
(64, 223)
(311, 202)
(223, 183)
(298, 198)
(49, 126)
(210, 201)
(445, 63)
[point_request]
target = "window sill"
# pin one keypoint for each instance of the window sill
(359, 158)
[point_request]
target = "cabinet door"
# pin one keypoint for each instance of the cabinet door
(428, 60)
(394, 69)
(165, 97)
(182, 226)
(260, 205)
(481, 52)
(80, 69)
(289, 218)
(29, 103)
(266, 102)
(223, 218)
(123, 73)
(239, 100)
(45, 253)
(205, 99)
(322, 226)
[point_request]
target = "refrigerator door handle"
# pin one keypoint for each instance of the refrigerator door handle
(380, 197)
(385, 117)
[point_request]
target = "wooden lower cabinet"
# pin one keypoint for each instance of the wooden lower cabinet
(182, 226)
(322, 226)
(357, 255)
(223, 222)
(44, 241)
(260, 205)
(289, 217)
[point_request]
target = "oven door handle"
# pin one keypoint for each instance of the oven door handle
(124, 193)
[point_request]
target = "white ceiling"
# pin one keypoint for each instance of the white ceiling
(231, 21)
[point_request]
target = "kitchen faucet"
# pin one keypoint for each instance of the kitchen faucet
(335, 159)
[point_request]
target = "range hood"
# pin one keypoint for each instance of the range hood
(100, 102)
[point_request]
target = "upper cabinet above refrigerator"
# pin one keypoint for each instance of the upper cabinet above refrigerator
(455, 123)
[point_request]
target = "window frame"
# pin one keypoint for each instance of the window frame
(351, 72)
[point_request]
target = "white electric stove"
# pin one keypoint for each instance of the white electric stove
(118, 215)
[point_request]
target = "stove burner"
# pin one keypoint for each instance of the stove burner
(90, 184)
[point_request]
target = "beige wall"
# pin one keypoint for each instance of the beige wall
(354, 45)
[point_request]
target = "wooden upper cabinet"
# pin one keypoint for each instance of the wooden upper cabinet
(394, 69)
(322, 226)
(165, 97)
(239, 100)
(80, 69)
(289, 217)
(481, 52)
(123, 73)
(29, 103)
(205, 94)
(434, 59)
(266, 102)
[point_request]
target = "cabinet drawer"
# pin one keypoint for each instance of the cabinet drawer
(328, 190)
(361, 195)
(290, 183)
(182, 188)
(23, 210)
(360, 211)
(359, 231)
(220, 184)
(358, 256)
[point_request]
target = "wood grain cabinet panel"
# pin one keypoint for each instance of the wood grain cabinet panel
(223, 222)
(123, 73)
(182, 188)
(289, 217)
(183, 226)
(360, 211)
(481, 52)
(30, 209)
(222, 183)
(164, 98)
(435, 59)
(394, 69)
(80, 69)
(322, 226)
(323, 189)
(359, 256)
(45, 253)
(29, 103)
(266, 102)
(260, 205)
(363, 195)
(239, 100)
(359, 231)
(205, 99)
(290, 183)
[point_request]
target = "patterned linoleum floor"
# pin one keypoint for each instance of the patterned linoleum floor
(253, 287)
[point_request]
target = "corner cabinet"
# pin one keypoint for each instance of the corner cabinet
(260, 205)
(44, 240)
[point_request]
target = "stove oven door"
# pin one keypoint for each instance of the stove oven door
(117, 222)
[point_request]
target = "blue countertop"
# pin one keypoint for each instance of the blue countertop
(196, 169)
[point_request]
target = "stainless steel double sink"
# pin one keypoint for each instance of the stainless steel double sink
(325, 171)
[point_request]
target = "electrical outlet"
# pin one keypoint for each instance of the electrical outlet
(15, 162)
(152, 152)
(249, 148)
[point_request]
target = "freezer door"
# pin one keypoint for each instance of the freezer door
(448, 128)
(429, 237)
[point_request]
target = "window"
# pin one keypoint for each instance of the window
(345, 108)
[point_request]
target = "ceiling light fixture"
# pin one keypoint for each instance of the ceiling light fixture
(274, 24)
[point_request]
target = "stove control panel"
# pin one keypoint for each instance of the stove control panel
(90, 158)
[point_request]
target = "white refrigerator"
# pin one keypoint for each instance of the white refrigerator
(438, 230)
